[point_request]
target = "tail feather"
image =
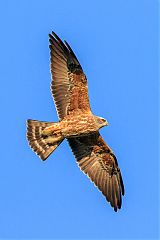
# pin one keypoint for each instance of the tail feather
(41, 139)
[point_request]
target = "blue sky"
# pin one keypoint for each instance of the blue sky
(116, 43)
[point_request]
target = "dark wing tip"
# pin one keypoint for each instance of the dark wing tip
(54, 39)
(59, 41)
(72, 61)
(114, 191)
(50, 36)
(115, 209)
(71, 51)
(50, 41)
(55, 35)
(122, 185)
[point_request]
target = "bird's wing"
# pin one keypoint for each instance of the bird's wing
(69, 84)
(99, 163)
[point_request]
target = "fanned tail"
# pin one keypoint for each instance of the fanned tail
(43, 137)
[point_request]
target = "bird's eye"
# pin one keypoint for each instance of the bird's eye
(103, 120)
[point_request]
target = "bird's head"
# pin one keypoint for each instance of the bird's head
(101, 122)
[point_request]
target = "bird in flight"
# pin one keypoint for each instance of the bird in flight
(77, 124)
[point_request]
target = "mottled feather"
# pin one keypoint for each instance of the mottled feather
(97, 160)
(69, 84)
(42, 144)
(76, 123)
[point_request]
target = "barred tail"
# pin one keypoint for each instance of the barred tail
(43, 137)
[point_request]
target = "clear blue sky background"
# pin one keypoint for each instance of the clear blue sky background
(116, 43)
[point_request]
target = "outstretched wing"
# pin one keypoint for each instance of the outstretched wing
(69, 84)
(97, 160)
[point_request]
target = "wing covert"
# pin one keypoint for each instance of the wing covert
(99, 163)
(69, 84)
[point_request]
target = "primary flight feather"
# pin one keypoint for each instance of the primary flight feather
(77, 124)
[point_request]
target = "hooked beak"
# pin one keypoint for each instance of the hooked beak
(107, 123)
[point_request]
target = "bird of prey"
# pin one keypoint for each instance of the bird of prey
(77, 124)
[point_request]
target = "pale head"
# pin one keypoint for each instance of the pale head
(101, 122)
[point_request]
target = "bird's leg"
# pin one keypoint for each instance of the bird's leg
(53, 139)
(51, 129)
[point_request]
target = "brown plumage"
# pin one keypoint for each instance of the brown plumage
(77, 124)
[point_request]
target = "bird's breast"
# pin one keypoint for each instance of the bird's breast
(78, 125)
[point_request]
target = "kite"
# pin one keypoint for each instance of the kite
(77, 124)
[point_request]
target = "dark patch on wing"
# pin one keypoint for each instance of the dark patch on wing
(97, 160)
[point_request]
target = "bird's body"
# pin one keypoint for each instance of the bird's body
(77, 124)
